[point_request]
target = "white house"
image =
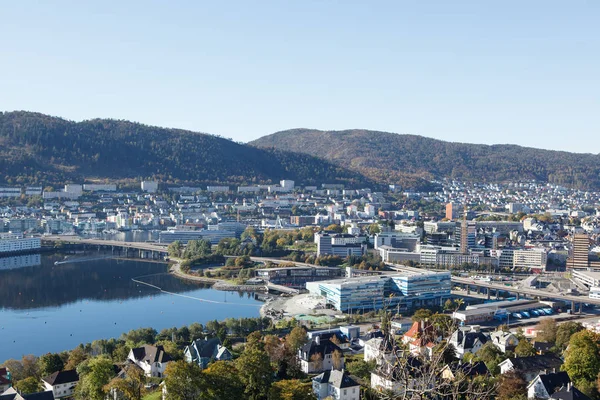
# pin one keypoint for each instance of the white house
(62, 383)
(152, 359)
(320, 355)
(544, 385)
(335, 384)
(530, 367)
(468, 339)
(504, 341)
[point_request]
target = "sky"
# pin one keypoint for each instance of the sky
(520, 72)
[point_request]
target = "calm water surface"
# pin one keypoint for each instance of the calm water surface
(49, 308)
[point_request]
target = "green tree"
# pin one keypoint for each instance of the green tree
(525, 349)
(175, 249)
(374, 229)
(296, 338)
(255, 373)
(131, 386)
(565, 331)
(334, 228)
(582, 357)
(291, 389)
(29, 385)
(94, 375)
(361, 368)
(76, 357)
(50, 363)
(421, 315)
(491, 356)
(222, 381)
(183, 381)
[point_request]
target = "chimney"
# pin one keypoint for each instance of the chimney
(318, 339)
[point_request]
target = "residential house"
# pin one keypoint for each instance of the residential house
(504, 341)
(569, 393)
(380, 350)
(335, 384)
(542, 347)
(318, 355)
(544, 385)
(5, 380)
(203, 351)
(450, 371)
(421, 338)
(12, 394)
(61, 383)
(368, 336)
(399, 377)
(530, 367)
(468, 339)
(152, 359)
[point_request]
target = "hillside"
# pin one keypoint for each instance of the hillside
(39, 149)
(376, 153)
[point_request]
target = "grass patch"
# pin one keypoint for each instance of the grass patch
(156, 395)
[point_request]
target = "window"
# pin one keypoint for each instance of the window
(345, 392)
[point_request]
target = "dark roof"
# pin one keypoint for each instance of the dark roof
(469, 369)
(569, 394)
(546, 362)
(39, 396)
(543, 346)
(60, 377)
(204, 348)
(466, 339)
(324, 347)
(339, 379)
(151, 354)
(555, 381)
(32, 396)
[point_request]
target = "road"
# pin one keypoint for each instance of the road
(161, 248)
(528, 292)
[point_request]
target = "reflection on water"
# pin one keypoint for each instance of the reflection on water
(51, 308)
(29, 260)
(50, 284)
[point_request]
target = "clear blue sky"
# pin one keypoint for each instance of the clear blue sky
(523, 72)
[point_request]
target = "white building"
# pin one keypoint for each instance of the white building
(10, 242)
(287, 185)
(336, 385)
(217, 189)
(100, 187)
(62, 383)
(152, 359)
(149, 186)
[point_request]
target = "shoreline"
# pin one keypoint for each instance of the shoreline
(217, 284)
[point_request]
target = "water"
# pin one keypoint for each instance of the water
(50, 308)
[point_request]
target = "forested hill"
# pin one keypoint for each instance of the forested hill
(373, 153)
(39, 149)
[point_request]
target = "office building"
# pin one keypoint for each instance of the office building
(406, 241)
(341, 245)
(452, 210)
(149, 186)
(297, 277)
(403, 291)
(579, 257)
